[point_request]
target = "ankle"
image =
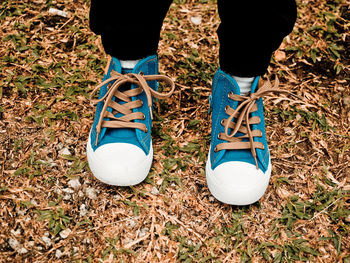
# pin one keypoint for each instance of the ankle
(129, 64)
(244, 83)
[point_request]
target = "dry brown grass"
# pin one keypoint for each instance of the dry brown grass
(48, 65)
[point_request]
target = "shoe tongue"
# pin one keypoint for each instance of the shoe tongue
(244, 83)
(244, 155)
(235, 88)
(126, 86)
(122, 133)
(127, 70)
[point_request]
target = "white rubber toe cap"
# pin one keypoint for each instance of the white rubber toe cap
(121, 164)
(237, 183)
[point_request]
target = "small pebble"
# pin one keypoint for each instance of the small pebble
(64, 151)
(154, 191)
(65, 233)
(22, 250)
(160, 181)
(46, 240)
(68, 190)
(58, 253)
(196, 20)
(83, 211)
(91, 193)
(14, 244)
(74, 183)
(86, 240)
(67, 197)
(16, 233)
(75, 250)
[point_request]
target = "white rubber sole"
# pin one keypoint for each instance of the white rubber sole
(119, 164)
(236, 183)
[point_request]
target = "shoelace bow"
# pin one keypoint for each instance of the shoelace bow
(243, 121)
(127, 120)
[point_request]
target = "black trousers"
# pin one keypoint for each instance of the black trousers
(248, 34)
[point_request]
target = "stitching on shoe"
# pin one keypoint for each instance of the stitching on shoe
(265, 156)
(221, 103)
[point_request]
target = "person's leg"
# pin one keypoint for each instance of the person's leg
(239, 164)
(119, 148)
(129, 29)
(250, 31)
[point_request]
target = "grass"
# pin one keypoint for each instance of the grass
(49, 65)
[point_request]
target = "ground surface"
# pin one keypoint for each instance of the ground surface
(53, 210)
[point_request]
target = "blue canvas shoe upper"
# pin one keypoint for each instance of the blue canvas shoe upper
(136, 136)
(225, 100)
(238, 168)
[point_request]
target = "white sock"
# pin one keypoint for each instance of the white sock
(244, 84)
(129, 64)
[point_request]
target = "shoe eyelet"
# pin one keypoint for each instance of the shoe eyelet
(141, 103)
(229, 94)
(143, 117)
(226, 108)
(222, 122)
(219, 137)
(215, 149)
(146, 130)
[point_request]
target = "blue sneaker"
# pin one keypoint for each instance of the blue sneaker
(238, 168)
(119, 148)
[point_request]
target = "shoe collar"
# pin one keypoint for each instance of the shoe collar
(235, 87)
(115, 65)
(224, 156)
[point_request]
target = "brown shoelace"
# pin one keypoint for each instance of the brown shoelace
(128, 118)
(243, 121)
